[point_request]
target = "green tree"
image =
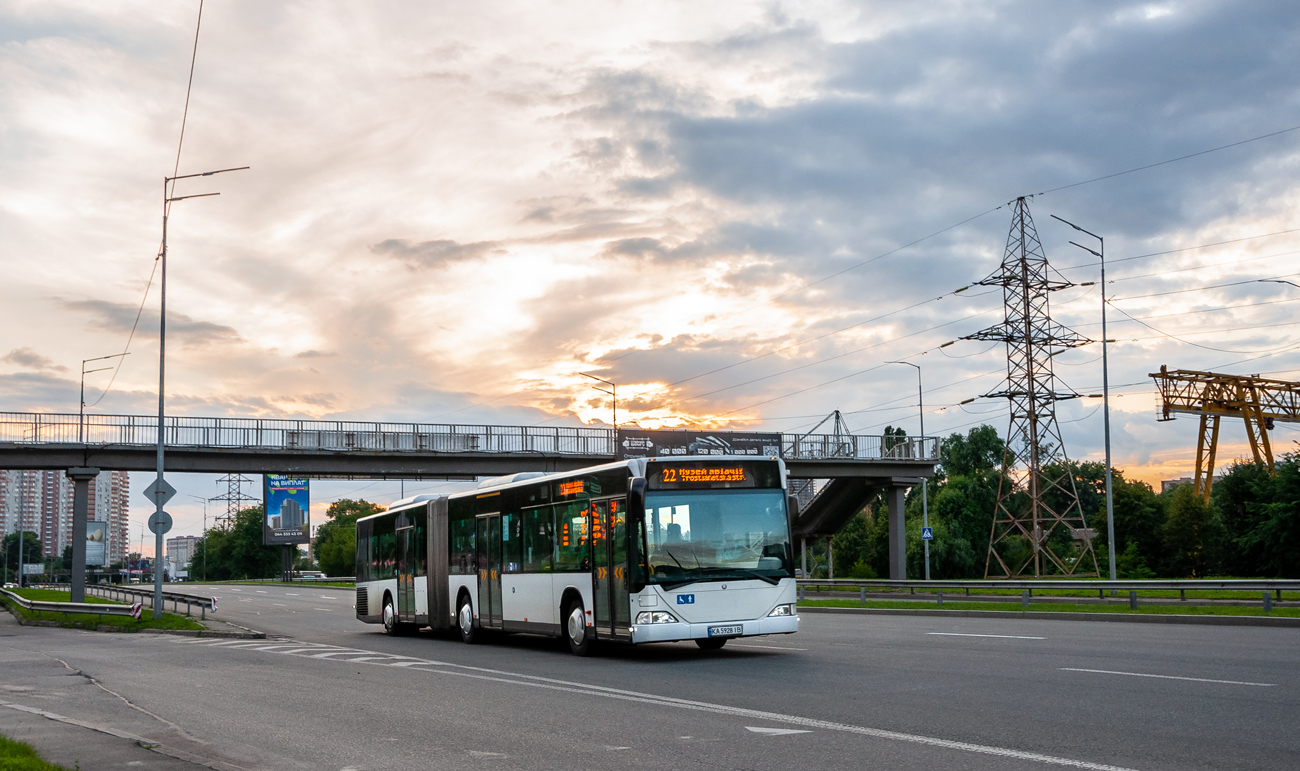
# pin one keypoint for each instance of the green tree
(1139, 520)
(335, 545)
(1273, 535)
(238, 552)
(1192, 535)
(19, 548)
(978, 451)
(1240, 498)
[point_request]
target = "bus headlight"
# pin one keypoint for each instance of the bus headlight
(782, 610)
(655, 617)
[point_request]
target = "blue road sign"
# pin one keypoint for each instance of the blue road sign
(927, 534)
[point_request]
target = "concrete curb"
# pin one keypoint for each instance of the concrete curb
(1066, 616)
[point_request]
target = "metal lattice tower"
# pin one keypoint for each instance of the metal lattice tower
(1043, 508)
(234, 497)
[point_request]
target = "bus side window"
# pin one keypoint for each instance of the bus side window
(538, 540)
(570, 537)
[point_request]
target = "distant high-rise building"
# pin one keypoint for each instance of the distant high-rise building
(41, 502)
(180, 550)
(291, 515)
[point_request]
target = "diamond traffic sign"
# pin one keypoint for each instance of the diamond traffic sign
(160, 522)
(927, 534)
(159, 492)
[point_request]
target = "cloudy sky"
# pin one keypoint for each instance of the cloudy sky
(736, 211)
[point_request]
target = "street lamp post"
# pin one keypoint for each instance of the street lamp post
(81, 415)
(612, 391)
(925, 504)
(160, 496)
(1105, 390)
(205, 535)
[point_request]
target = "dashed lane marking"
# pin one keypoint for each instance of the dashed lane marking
(1167, 677)
(325, 652)
(1004, 636)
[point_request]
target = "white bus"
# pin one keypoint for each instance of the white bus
(644, 550)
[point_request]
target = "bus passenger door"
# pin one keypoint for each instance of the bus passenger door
(406, 564)
(618, 572)
(488, 545)
(609, 568)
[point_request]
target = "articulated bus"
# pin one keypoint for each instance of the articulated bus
(644, 550)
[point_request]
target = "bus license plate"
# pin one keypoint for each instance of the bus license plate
(725, 631)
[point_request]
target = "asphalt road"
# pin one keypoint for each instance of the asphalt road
(887, 692)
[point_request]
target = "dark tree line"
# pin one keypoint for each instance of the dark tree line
(1251, 527)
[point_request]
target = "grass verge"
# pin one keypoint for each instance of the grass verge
(19, 756)
(1058, 607)
(90, 620)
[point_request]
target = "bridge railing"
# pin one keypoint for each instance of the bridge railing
(34, 428)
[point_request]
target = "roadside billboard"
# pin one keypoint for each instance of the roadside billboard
(33, 568)
(286, 502)
(642, 443)
(96, 539)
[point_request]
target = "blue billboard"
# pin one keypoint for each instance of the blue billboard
(287, 504)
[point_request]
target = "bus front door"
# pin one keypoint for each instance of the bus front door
(407, 558)
(610, 569)
(488, 540)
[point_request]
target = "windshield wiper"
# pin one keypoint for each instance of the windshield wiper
(755, 574)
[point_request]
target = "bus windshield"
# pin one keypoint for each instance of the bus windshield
(704, 535)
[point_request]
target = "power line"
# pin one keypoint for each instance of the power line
(180, 143)
(1199, 288)
(1206, 347)
(1184, 249)
(1171, 160)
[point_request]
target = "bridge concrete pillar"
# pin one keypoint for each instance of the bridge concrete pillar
(80, 477)
(896, 497)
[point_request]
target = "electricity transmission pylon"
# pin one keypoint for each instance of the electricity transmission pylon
(1038, 500)
(234, 497)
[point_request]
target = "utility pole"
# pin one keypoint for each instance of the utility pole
(925, 504)
(81, 415)
(1105, 391)
(612, 391)
(160, 491)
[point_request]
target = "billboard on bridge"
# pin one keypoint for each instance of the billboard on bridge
(286, 501)
(642, 443)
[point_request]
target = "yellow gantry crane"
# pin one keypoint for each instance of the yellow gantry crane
(1256, 400)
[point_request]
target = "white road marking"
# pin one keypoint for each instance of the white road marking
(260, 591)
(1167, 677)
(279, 605)
(327, 652)
(775, 731)
(769, 647)
(290, 594)
(1006, 636)
(326, 610)
(233, 589)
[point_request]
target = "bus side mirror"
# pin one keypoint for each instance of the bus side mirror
(635, 531)
(636, 500)
(792, 505)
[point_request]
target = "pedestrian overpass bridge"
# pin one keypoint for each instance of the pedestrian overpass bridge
(856, 467)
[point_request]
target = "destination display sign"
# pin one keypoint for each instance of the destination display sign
(704, 474)
(701, 475)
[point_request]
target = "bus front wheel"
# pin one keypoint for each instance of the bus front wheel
(391, 626)
(465, 621)
(576, 632)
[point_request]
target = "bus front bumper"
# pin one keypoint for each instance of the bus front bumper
(646, 633)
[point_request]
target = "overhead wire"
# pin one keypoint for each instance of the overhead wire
(180, 143)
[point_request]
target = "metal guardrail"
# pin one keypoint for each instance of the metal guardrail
(116, 592)
(65, 608)
(1268, 587)
(35, 428)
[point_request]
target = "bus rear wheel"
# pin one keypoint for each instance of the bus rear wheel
(576, 632)
(465, 621)
(711, 643)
